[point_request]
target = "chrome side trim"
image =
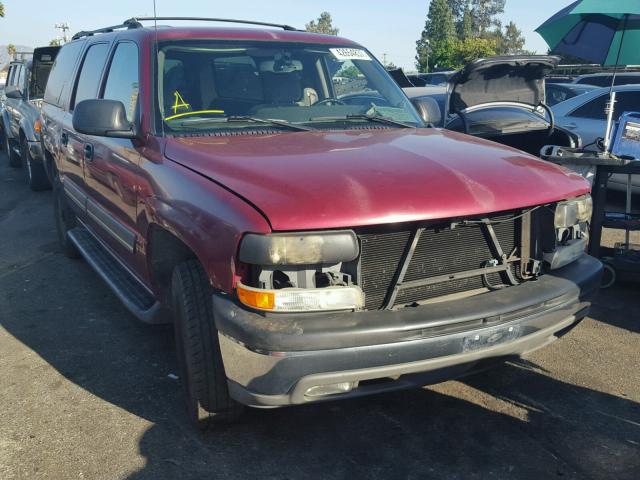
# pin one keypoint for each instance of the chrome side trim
(74, 193)
(112, 226)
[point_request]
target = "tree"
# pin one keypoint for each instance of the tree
(458, 8)
(513, 39)
(11, 50)
(465, 28)
(484, 13)
(471, 49)
(1, 10)
(350, 71)
(56, 42)
(437, 37)
(323, 25)
(509, 41)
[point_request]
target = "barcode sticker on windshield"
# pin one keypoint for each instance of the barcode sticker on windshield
(350, 54)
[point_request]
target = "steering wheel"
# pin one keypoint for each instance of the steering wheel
(330, 101)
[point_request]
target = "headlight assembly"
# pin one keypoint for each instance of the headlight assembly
(306, 248)
(301, 300)
(574, 211)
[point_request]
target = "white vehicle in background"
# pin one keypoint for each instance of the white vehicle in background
(585, 115)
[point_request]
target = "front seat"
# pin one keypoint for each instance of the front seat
(282, 88)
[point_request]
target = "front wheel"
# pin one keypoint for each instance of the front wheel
(14, 158)
(201, 369)
(65, 218)
(35, 173)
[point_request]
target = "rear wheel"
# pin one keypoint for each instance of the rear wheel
(14, 158)
(65, 218)
(34, 171)
(198, 350)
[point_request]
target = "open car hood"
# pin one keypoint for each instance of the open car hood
(518, 78)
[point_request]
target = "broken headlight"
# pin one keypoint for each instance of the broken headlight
(300, 272)
(571, 221)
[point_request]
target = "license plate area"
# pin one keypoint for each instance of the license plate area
(490, 338)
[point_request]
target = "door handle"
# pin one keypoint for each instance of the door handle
(88, 152)
(64, 139)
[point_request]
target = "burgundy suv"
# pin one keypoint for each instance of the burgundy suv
(276, 195)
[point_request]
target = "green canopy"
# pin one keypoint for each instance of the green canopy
(601, 31)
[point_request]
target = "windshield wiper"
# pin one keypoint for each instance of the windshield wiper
(363, 116)
(243, 118)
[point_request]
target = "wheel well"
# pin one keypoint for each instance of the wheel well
(49, 164)
(165, 251)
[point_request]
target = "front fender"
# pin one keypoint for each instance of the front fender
(6, 123)
(26, 126)
(207, 218)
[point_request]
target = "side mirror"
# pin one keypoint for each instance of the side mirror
(13, 92)
(428, 109)
(102, 118)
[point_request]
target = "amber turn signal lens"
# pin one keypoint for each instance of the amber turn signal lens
(37, 127)
(259, 300)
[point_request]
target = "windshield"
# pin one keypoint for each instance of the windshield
(213, 85)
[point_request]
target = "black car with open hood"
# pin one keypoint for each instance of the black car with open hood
(503, 99)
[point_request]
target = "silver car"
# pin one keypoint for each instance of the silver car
(20, 113)
(585, 115)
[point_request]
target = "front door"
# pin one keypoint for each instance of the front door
(111, 164)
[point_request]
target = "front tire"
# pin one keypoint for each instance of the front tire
(35, 172)
(14, 158)
(65, 218)
(201, 369)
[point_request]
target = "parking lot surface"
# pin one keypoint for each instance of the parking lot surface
(88, 392)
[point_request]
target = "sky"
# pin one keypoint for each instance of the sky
(383, 26)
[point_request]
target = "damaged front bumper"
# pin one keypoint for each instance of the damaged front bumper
(273, 360)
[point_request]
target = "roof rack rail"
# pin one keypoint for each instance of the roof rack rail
(128, 24)
(135, 23)
(206, 19)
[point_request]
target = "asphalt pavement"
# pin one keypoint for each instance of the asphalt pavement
(88, 392)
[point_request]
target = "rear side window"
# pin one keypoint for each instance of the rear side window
(9, 75)
(593, 109)
(122, 81)
(61, 74)
(90, 73)
(599, 81)
(15, 72)
(625, 102)
(20, 79)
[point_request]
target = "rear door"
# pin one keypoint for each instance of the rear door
(57, 121)
(12, 104)
(589, 120)
(112, 169)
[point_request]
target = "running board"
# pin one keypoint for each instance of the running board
(135, 297)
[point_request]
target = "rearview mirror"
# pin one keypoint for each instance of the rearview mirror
(102, 118)
(428, 109)
(13, 92)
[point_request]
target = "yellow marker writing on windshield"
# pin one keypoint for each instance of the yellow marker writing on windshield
(179, 103)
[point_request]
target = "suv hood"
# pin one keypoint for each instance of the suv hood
(518, 78)
(321, 180)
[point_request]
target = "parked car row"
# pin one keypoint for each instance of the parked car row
(313, 238)
(20, 124)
